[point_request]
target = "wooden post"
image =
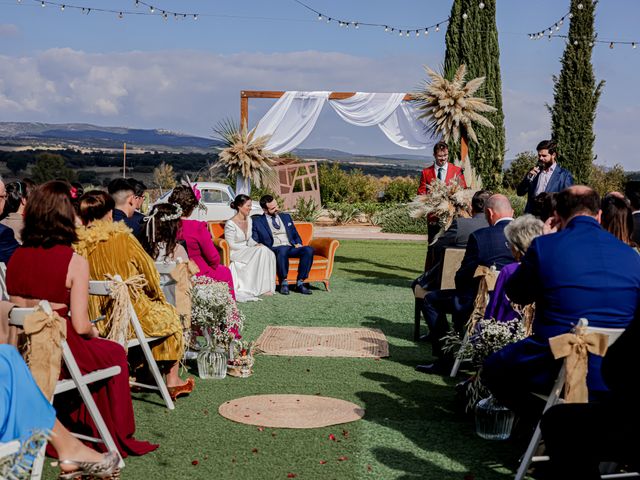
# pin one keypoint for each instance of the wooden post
(124, 162)
(464, 147)
(244, 111)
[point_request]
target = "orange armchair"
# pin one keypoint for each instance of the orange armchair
(324, 250)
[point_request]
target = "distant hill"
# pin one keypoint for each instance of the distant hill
(82, 135)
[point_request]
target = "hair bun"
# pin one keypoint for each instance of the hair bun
(233, 205)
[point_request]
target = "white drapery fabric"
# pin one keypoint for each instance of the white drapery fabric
(290, 121)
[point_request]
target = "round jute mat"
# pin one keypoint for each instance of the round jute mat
(290, 411)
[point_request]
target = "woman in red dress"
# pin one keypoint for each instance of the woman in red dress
(46, 268)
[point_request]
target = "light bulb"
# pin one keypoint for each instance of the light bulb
(591, 44)
(465, 16)
(195, 17)
(580, 6)
(417, 33)
(320, 16)
(42, 4)
(571, 15)
(400, 32)
(550, 32)
(575, 42)
(62, 8)
(481, 5)
(611, 45)
(151, 9)
(137, 3)
(633, 45)
(386, 29)
(328, 20)
(357, 26)
(438, 28)
(426, 32)
(557, 27)
(120, 15)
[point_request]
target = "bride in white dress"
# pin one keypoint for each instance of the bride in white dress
(253, 266)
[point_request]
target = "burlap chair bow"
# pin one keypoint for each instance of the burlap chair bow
(45, 331)
(487, 283)
(182, 275)
(122, 292)
(574, 347)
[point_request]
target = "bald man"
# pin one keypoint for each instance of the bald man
(485, 247)
(581, 271)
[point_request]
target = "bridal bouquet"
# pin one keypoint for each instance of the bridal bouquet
(215, 311)
(442, 203)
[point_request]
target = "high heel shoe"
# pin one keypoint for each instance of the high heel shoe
(106, 469)
(187, 388)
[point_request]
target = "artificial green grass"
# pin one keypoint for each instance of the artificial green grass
(411, 427)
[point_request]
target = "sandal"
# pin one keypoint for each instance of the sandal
(106, 469)
(187, 388)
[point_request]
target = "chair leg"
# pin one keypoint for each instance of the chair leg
(416, 319)
(458, 360)
(38, 463)
(528, 455)
(153, 366)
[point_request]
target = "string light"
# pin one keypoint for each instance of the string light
(556, 26)
(119, 13)
(481, 5)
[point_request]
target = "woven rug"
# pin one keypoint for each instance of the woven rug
(323, 342)
(290, 411)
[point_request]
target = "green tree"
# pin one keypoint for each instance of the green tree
(520, 166)
(164, 176)
(474, 41)
(50, 166)
(604, 180)
(576, 95)
(16, 164)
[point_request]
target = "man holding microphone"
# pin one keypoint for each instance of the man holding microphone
(546, 176)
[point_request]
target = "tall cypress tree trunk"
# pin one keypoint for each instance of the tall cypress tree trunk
(576, 95)
(474, 42)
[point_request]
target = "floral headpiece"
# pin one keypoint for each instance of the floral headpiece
(175, 216)
(151, 220)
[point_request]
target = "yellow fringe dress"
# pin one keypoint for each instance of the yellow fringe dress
(111, 249)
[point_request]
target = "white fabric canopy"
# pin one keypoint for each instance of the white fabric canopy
(290, 121)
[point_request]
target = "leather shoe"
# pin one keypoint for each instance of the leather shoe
(436, 368)
(284, 289)
(302, 289)
(186, 389)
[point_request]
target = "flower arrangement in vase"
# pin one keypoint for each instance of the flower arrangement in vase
(214, 310)
(241, 365)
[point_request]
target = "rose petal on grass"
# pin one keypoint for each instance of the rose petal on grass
(342, 458)
(261, 429)
(322, 462)
(254, 450)
(332, 437)
(291, 475)
(194, 462)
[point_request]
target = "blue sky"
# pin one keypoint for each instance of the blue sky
(186, 75)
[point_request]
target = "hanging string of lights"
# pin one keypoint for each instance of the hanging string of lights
(553, 28)
(402, 31)
(153, 11)
(592, 42)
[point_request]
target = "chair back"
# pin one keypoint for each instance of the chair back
(450, 265)
(4, 295)
(216, 229)
(305, 230)
(19, 314)
(165, 268)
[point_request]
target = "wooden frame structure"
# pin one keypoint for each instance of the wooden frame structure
(245, 95)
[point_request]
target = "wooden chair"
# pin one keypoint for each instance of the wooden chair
(102, 288)
(554, 398)
(78, 381)
(4, 295)
(450, 265)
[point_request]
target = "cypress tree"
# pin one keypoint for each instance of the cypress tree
(576, 95)
(474, 42)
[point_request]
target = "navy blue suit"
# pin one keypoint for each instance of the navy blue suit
(560, 179)
(580, 272)
(8, 243)
(261, 233)
(485, 247)
(134, 223)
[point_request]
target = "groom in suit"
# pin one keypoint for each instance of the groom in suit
(277, 231)
(546, 176)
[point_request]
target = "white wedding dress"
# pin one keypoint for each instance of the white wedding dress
(253, 266)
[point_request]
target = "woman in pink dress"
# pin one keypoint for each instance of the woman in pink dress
(196, 235)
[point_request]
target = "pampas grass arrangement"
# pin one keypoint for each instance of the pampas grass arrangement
(442, 204)
(449, 106)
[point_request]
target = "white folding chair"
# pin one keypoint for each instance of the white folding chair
(102, 288)
(78, 381)
(4, 295)
(554, 398)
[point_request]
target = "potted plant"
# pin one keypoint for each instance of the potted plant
(214, 310)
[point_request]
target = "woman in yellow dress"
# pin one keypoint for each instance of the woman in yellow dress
(111, 249)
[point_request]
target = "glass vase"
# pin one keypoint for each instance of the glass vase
(212, 363)
(493, 421)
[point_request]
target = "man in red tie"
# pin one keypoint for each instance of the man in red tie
(441, 170)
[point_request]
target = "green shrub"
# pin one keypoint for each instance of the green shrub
(517, 203)
(397, 220)
(519, 167)
(337, 185)
(604, 180)
(306, 211)
(401, 190)
(343, 213)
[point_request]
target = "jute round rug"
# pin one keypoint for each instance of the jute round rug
(290, 411)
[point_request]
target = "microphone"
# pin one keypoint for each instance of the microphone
(540, 166)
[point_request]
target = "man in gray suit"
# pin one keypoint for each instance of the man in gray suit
(456, 236)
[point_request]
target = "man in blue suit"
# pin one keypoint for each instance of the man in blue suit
(581, 271)
(485, 247)
(547, 176)
(277, 231)
(8, 242)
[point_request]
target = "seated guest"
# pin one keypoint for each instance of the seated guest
(486, 247)
(139, 190)
(633, 194)
(46, 253)
(617, 217)
(519, 233)
(24, 411)
(8, 242)
(161, 242)
(253, 265)
(196, 235)
(277, 231)
(112, 250)
(579, 272)
(13, 214)
(456, 236)
(123, 193)
(578, 436)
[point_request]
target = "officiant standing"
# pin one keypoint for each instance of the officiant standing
(546, 176)
(442, 171)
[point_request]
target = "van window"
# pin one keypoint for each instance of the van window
(214, 196)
